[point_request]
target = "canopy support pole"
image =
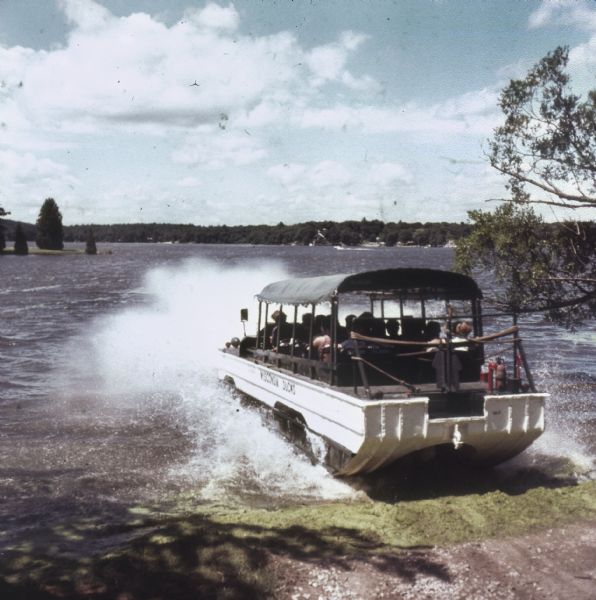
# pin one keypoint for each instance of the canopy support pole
(258, 327)
(362, 372)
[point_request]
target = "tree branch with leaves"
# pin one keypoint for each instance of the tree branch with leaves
(547, 149)
(547, 144)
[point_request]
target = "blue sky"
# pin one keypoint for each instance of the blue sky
(302, 110)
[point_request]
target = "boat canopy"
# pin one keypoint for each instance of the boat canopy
(404, 283)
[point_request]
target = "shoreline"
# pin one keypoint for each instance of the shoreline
(45, 252)
(443, 546)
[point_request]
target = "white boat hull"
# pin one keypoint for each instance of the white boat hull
(377, 432)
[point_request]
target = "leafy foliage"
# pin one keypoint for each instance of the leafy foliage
(548, 141)
(20, 242)
(541, 267)
(547, 145)
(50, 234)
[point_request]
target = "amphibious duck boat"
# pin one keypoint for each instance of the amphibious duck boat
(412, 371)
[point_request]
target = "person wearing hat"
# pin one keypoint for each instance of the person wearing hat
(285, 329)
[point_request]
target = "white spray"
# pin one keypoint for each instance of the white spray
(161, 358)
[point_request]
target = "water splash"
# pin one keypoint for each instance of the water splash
(147, 373)
(154, 367)
(570, 418)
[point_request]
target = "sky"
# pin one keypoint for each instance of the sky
(266, 111)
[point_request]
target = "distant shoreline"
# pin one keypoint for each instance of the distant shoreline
(354, 233)
(45, 252)
(33, 251)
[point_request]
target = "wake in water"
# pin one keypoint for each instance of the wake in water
(151, 371)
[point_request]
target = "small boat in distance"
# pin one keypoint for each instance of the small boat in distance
(388, 363)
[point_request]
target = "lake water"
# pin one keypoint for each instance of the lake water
(109, 396)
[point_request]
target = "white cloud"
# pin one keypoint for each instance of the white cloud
(189, 182)
(119, 80)
(214, 16)
(331, 189)
(220, 149)
(86, 14)
(571, 12)
(327, 62)
(582, 66)
(582, 58)
(26, 179)
(135, 71)
(330, 173)
(287, 175)
(389, 173)
(474, 113)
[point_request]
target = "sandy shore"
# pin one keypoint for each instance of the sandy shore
(556, 563)
(551, 564)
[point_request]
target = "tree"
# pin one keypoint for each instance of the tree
(3, 213)
(50, 234)
(20, 242)
(547, 149)
(547, 144)
(523, 252)
(90, 246)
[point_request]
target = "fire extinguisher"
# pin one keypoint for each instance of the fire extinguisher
(487, 374)
(500, 375)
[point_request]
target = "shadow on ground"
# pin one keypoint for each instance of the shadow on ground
(410, 480)
(114, 551)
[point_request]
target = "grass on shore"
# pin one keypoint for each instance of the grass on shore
(45, 252)
(210, 551)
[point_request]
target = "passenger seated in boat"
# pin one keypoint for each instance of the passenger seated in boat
(281, 328)
(341, 332)
(303, 328)
(322, 343)
(392, 328)
(265, 334)
(361, 326)
(412, 329)
(432, 330)
(364, 323)
(349, 322)
(463, 329)
(377, 328)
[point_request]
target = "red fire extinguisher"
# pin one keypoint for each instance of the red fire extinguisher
(487, 374)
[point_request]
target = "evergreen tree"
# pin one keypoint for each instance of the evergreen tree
(90, 247)
(20, 241)
(50, 234)
(3, 213)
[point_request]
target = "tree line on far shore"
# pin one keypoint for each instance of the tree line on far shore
(50, 233)
(347, 233)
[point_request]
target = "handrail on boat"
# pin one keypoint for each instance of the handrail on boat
(476, 340)
(407, 385)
